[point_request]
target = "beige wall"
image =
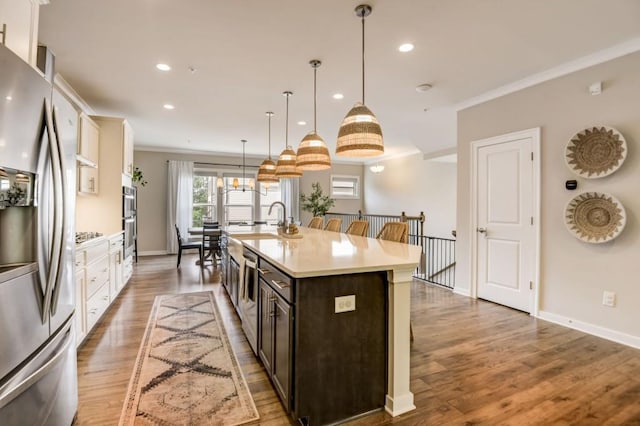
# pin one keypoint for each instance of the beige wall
(573, 274)
(152, 199)
(324, 178)
(413, 185)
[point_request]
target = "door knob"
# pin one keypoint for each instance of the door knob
(482, 230)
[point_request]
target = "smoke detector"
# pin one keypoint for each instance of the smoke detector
(421, 88)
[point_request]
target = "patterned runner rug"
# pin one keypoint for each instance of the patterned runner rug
(186, 372)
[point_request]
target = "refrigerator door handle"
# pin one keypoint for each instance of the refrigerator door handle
(8, 392)
(59, 204)
(43, 242)
(53, 154)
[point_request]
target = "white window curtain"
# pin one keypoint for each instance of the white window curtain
(179, 201)
(291, 197)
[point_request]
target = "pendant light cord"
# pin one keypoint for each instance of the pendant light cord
(243, 180)
(269, 114)
(315, 117)
(363, 59)
(286, 128)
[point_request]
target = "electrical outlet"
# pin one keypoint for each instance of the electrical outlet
(345, 303)
(609, 298)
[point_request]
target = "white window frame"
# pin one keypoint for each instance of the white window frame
(215, 204)
(225, 196)
(342, 196)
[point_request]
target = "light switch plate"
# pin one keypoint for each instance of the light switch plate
(609, 298)
(345, 303)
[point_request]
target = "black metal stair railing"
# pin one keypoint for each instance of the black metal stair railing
(438, 260)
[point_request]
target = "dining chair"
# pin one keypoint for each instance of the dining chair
(316, 223)
(184, 245)
(211, 242)
(358, 227)
(398, 232)
(394, 231)
(333, 225)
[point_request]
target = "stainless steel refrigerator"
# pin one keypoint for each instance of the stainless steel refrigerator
(38, 138)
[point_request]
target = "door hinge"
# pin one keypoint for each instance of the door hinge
(530, 285)
(531, 156)
(532, 220)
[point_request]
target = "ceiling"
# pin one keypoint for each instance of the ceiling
(231, 60)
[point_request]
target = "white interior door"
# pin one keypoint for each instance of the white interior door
(506, 226)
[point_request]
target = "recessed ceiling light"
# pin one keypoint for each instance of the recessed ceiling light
(406, 47)
(8, 97)
(168, 106)
(338, 96)
(163, 67)
(302, 123)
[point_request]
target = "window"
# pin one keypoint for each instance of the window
(204, 198)
(227, 204)
(238, 204)
(273, 194)
(345, 186)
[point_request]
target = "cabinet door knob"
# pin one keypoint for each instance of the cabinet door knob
(482, 230)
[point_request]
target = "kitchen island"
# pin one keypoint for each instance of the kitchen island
(332, 317)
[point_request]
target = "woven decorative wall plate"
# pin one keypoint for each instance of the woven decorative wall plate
(596, 152)
(595, 217)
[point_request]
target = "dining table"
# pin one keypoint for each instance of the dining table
(198, 231)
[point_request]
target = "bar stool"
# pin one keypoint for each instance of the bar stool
(358, 227)
(394, 231)
(333, 225)
(316, 223)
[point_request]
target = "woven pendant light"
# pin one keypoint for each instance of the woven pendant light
(267, 170)
(360, 134)
(313, 153)
(286, 166)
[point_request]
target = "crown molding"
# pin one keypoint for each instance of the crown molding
(596, 58)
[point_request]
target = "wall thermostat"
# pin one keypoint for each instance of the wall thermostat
(571, 184)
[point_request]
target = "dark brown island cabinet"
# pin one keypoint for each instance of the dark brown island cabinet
(323, 340)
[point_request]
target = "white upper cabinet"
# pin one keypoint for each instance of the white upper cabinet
(89, 146)
(88, 156)
(19, 24)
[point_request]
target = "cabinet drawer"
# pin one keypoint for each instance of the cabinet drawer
(278, 280)
(96, 305)
(116, 243)
(97, 275)
(80, 259)
(95, 252)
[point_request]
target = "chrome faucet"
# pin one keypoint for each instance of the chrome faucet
(282, 226)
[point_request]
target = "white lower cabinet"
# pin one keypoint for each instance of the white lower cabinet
(116, 277)
(127, 269)
(101, 273)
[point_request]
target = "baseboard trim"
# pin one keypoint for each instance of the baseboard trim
(152, 253)
(605, 333)
(462, 291)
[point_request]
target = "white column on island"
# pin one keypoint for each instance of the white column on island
(399, 397)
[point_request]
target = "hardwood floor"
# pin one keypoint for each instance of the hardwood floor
(473, 362)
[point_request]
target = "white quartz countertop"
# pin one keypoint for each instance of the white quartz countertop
(320, 253)
(256, 231)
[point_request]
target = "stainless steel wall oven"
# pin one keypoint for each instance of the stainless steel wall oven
(129, 221)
